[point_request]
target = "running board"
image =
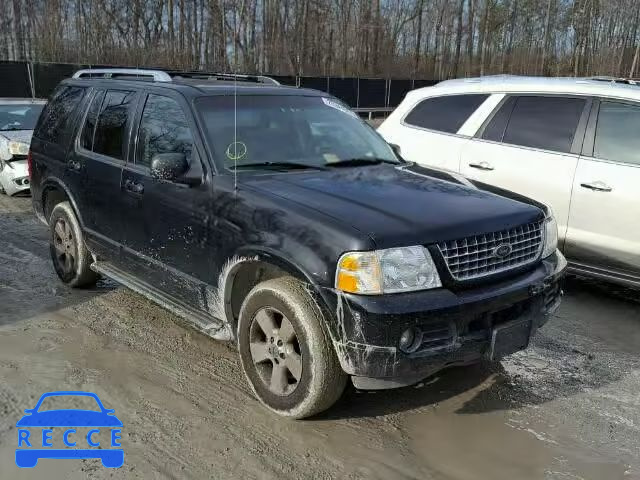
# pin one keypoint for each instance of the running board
(202, 321)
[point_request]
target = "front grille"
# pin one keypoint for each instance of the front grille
(478, 256)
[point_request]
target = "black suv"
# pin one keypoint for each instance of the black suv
(274, 217)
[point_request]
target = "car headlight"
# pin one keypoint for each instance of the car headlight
(18, 148)
(391, 270)
(550, 236)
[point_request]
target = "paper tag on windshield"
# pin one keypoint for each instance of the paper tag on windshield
(338, 106)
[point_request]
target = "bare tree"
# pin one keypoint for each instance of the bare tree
(385, 38)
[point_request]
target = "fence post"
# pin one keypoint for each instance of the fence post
(29, 66)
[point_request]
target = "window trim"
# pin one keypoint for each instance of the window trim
(578, 137)
(590, 136)
(83, 121)
(431, 130)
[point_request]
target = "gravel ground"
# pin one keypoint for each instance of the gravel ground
(567, 408)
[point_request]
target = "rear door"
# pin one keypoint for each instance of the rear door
(167, 224)
(101, 152)
(530, 146)
(428, 133)
(604, 225)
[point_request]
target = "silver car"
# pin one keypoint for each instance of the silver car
(18, 117)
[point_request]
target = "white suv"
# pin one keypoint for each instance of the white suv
(573, 144)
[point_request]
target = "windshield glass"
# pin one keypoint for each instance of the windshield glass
(17, 116)
(277, 130)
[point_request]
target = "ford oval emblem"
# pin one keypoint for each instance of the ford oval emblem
(502, 250)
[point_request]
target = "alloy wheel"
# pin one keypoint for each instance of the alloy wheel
(275, 351)
(66, 251)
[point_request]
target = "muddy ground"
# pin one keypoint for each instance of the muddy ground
(568, 408)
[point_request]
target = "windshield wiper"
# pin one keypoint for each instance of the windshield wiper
(354, 162)
(280, 165)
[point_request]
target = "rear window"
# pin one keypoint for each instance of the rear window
(444, 114)
(58, 115)
(548, 123)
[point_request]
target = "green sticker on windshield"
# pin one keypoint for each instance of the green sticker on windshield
(236, 151)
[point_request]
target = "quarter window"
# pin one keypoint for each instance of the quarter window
(618, 133)
(444, 114)
(54, 122)
(110, 129)
(548, 123)
(163, 129)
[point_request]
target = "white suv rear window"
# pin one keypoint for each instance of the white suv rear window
(444, 114)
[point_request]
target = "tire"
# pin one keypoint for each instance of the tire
(302, 348)
(71, 259)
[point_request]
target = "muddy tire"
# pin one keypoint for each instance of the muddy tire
(286, 354)
(71, 259)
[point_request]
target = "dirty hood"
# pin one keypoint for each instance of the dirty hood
(397, 206)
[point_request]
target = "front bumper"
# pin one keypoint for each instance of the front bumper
(457, 328)
(14, 177)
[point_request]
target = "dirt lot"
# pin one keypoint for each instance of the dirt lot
(568, 408)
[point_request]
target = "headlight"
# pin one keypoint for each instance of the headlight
(387, 271)
(18, 148)
(550, 236)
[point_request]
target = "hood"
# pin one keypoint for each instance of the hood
(23, 136)
(397, 205)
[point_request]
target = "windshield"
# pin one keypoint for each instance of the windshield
(18, 116)
(279, 130)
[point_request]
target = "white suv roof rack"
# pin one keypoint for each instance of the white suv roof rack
(155, 75)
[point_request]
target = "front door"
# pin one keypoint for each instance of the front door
(167, 224)
(604, 231)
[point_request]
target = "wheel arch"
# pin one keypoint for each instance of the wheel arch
(251, 266)
(55, 191)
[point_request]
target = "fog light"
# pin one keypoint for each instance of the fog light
(410, 340)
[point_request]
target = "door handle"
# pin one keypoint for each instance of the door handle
(481, 166)
(74, 165)
(597, 186)
(133, 187)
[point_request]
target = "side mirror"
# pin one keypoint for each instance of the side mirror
(396, 149)
(169, 166)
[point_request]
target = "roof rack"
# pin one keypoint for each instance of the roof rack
(168, 76)
(602, 78)
(131, 73)
(224, 76)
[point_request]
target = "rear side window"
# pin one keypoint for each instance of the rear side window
(163, 129)
(58, 115)
(548, 123)
(110, 129)
(444, 114)
(618, 133)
